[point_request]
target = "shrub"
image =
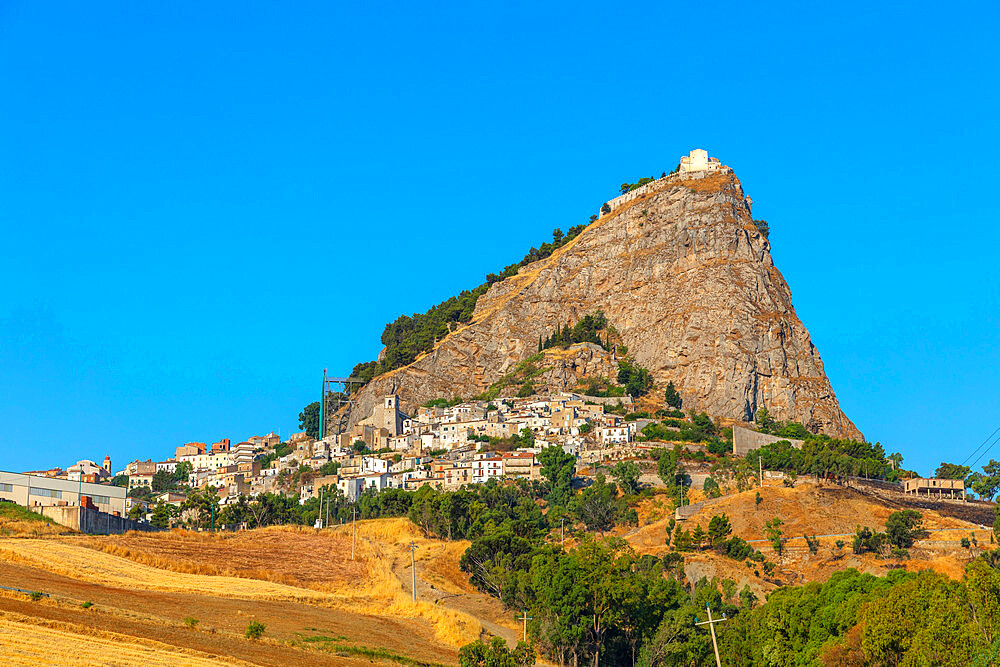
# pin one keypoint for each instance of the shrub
(190, 621)
(812, 543)
(87, 605)
(965, 543)
(255, 630)
(904, 527)
(527, 389)
(36, 596)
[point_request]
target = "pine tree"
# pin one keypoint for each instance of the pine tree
(539, 342)
(671, 396)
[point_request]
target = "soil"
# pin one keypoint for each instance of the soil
(159, 616)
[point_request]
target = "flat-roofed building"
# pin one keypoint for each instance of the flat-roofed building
(942, 488)
(35, 491)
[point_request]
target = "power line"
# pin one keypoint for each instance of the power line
(980, 446)
(986, 450)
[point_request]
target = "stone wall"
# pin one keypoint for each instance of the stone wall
(92, 522)
(621, 200)
(744, 440)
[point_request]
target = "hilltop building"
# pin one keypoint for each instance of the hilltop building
(698, 160)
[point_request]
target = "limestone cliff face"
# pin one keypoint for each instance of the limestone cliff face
(686, 278)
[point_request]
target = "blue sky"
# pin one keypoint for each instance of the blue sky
(204, 204)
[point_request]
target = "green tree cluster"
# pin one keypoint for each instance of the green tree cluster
(636, 379)
(587, 330)
(904, 618)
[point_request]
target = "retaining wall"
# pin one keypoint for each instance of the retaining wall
(93, 522)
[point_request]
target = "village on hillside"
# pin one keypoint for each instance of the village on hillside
(445, 445)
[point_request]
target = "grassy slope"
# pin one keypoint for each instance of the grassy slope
(16, 521)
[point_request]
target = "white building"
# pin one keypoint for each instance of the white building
(616, 435)
(487, 468)
(698, 160)
(32, 490)
(351, 487)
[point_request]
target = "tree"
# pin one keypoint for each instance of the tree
(719, 530)
(496, 654)
(987, 483)
(558, 467)
(904, 527)
(626, 473)
(162, 481)
(161, 515)
(773, 532)
(764, 419)
(596, 507)
(137, 512)
(636, 379)
(204, 503)
(120, 480)
(309, 419)
(711, 488)
(671, 396)
(763, 227)
(952, 471)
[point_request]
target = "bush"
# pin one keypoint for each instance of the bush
(87, 605)
(904, 527)
(255, 630)
(190, 621)
(636, 379)
(36, 596)
(965, 543)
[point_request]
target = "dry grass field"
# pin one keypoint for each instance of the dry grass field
(319, 606)
(16, 521)
(808, 509)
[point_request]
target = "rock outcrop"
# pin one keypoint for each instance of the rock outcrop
(686, 278)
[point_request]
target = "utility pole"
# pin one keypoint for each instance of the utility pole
(354, 530)
(524, 617)
(711, 626)
(328, 499)
(322, 400)
(413, 569)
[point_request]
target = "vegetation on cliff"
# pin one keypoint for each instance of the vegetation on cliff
(587, 330)
(409, 336)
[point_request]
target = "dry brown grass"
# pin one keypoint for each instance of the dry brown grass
(31, 641)
(810, 509)
(292, 555)
(196, 563)
(16, 521)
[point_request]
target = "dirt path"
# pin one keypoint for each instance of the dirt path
(488, 611)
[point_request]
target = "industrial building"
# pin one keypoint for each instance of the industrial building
(33, 491)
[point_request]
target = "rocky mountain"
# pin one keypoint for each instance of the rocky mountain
(685, 276)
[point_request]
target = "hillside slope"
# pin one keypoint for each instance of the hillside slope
(685, 277)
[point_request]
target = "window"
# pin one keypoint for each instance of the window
(45, 493)
(6, 488)
(101, 500)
